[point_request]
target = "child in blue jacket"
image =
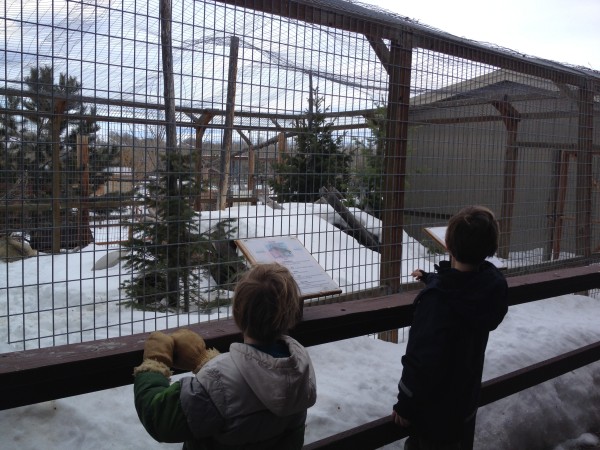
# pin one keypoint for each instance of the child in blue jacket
(438, 392)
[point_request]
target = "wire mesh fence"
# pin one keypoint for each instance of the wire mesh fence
(345, 126)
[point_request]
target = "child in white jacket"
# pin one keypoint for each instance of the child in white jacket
(255, 396)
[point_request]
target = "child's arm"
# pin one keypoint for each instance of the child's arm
(418, 274)
(399, 420)
(156, 399)
(165, 409)
(159, 409)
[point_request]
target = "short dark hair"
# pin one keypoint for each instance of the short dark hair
(472, 235)
(266, 302)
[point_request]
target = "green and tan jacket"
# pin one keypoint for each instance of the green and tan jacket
(244, 399)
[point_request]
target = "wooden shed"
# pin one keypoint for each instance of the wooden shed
(520, 156)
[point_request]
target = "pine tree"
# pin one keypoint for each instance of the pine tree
(367, 183)
(44, 96)
(48, 104)
(31, 125)
(100, 155)
(318, 161)
(172, 246)
(10, 141)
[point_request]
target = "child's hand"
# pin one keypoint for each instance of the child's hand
(158, 354)
(190, 351)
(159, 347)
(399, 420)
(418, 274)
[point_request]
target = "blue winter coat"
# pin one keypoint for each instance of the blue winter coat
(443, 364)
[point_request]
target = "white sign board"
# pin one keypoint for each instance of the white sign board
(288, 251)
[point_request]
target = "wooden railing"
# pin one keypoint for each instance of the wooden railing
(34, 376)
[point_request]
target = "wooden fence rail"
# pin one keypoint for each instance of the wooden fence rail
(383, 431)
(34, 376)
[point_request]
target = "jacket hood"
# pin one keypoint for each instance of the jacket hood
(478, 297)
(284, 385)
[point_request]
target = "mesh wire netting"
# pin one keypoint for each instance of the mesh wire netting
(399, 140)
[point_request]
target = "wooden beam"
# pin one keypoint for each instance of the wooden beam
(511, 118)
(376, 434)
(368, 436)
(57, 117)
(554, 282)
(417, 119)
(201, 127)
(84, 234)
(559, 204)
(547, 145)
(225, 161)
(34, 376)
(352, 18)
(394, 162)
(251, 161)
(189, 111)
(475, 52)
(166, 20)
(583, 192)
(527, 377)
(382, 51)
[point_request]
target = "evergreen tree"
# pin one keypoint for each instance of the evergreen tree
(48, 105)
(101, 155)
(28, 130)
(9, 127)
(47, 99)
(367, 182)
(318, 160)
(10, 140)
(173, 246)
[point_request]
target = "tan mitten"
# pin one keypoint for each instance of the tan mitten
(190, 350)
(158, 354)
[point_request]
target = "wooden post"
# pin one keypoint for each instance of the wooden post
(59, 110)
(396, 142)
(83, 163)
(169, 89)
(398, 63)
(171, 144)
(583, 196)
(511, 118)
(251, 180)
(280, 151)
(311, 103)
(84, 234)
(229, 115)
(281, 147)
(557, 206)
(198, 166)
(251, 174)
(201, 126)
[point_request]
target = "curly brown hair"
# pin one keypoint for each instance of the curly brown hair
(266, 302)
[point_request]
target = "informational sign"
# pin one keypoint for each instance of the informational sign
(438, 234)
(288, 251)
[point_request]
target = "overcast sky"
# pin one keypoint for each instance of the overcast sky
(566, 31)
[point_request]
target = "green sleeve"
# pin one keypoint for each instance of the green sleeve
(159, 408)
